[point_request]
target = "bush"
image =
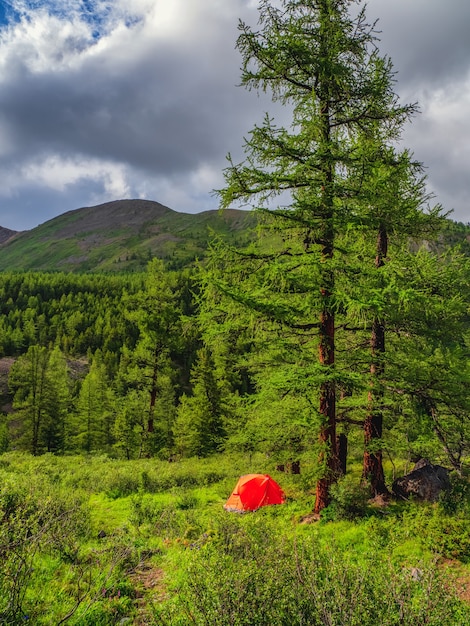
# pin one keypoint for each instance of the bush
(349, 500)
(457, 498)
(246, 573)
(34, 519)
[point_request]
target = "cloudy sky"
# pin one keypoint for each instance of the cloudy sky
(109, 99)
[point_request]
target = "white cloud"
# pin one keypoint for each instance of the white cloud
(58, 173)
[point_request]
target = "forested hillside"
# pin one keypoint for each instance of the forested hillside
(151, 363)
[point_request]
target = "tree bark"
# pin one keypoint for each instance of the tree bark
(328, 453)
(342, 447)
(326, 355)
(372, 469)
(328, 458)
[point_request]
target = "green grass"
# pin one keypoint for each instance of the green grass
(164, 522)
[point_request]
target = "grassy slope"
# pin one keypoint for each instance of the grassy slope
(121, 236)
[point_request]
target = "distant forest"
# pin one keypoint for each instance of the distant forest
(167, 363)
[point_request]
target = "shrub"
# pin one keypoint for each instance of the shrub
(457, 498)
(34, 519)
(246, 574)
(349, 500)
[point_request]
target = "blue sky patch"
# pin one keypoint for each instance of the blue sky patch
(7, 13)
(86, 9)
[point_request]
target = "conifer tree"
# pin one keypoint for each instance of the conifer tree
(58, 402)
(395, 210)
(320, 60)
(95, 409)
(130, 428)
(429, 371)
(39, 380)
(156, 313)
(201, 421)
(27, 379)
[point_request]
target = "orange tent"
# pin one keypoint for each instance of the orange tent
(253, 491)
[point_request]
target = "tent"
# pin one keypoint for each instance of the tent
(253, 491)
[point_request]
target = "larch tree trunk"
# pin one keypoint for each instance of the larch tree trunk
(373, 471)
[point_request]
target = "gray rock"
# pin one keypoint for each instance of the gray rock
(424, 482)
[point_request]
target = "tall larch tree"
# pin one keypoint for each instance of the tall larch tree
(41, 386)
(156, 312)
(394, 211)
(95, 410)
(200, 428)
(319, 59)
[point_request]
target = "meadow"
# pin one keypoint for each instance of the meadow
(95, 541)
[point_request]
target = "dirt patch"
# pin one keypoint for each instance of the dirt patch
(78, 367)
(148, 583)
(463, 588)
(461, 578)
(5, 366)
(147, 577)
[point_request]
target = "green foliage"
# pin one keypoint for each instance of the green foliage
(108, 612)
(71, 552)
(247, 573)
(36, 519)
(440, 533)
(42, 397)
(349, 500)
(4, 435)
(457, 498)
(200, 428)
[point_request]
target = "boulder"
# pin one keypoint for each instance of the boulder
(424, 482)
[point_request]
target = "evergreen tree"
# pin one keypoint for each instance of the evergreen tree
(130, 428)
(394, 209)
(27, 380)
(202, 417)
(322, 61)
(156, 312)
(40, 382)
(429, 370)
(94, 421)
(58, 403)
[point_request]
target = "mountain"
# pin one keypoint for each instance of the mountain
(120, 236)
(6, 234)
(123, 235)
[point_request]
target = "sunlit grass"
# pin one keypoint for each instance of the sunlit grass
(123, 519)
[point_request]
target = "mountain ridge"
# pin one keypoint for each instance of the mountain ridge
(121, 235)
(6, 234)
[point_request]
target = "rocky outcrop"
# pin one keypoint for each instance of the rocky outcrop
(425, 482)
(6, 234)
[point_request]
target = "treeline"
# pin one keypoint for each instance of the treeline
(99, 359)
(173, 364)
(77, 313)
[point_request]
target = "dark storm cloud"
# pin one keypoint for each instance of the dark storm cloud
(138, 98)
(156, 117)
(170, 106)
(162, 104)
(427, 39)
